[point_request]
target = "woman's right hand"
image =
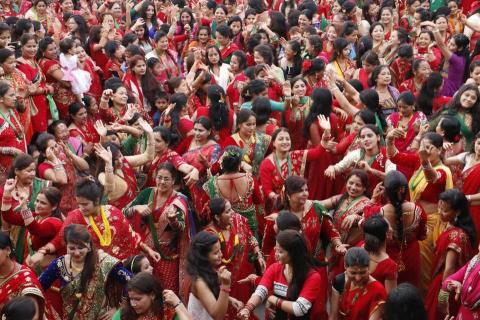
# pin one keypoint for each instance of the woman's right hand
(51, 155)
(456, 286)
(330, 172)
(34, 260)
(225, 276)
(104, 154)
(107, 94)
(100, 128)
(9, 186)
(143, 209)
(243, 314)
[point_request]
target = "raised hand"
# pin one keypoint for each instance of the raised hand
(145, 126)
(324, 122)
(102, 153)
(100, 128)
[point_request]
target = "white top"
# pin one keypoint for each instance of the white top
(196, 309)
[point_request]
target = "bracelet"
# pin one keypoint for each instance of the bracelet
(278, 303)
(249, 306)
(178, 303)
(469, 197)
(443, 296)
(225, 289)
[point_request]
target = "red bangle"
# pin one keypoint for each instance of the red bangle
(225, 289)
(278, 304)
(249, 306)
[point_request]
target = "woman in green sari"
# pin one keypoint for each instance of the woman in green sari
(91, 281)
(465, 106)
(162, 216)
(241, 189)
(254, 144)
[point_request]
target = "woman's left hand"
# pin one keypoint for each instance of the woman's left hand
(341, 248)
(238, 305)
(364, 165)
(349, 222)
(108, 314)
(170, 298)
(262, 264)
(154, 255)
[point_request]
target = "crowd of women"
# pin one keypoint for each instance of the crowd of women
(198, 159)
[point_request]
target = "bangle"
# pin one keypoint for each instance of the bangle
(225, 289)
(178, 303)
(249, 306)
(443, 296)
(469, 197)
(278, 303)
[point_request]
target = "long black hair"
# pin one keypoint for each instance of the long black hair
(455, 105)
(218, 111)
(396, 189)
(300, 260)
(198, 265)
(428, 91)
(321, 105)
(371, 100)
(405, 302)
(78, 234)
(458, 202)
(19, 308)
(146, 284)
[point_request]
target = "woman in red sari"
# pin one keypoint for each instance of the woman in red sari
(356, 294)
(371, 157)
(347, 212)
(82, 126)
(253, 143)
(406, 119)
(163, 139)
(113, 104)
(406, 219)
(382, 268)
(12, 137)
(283, 162)
(289, 295)
(57, 163)
(161, 214)
(317, 227)
(41, 226)
(48, 61)
(471, 178)
(33, 73)
(23, 88)
(431, 177)
(109, 228)
(118, 174)
(453, 247)
(200, 151)
(19, 280)
(237, 244)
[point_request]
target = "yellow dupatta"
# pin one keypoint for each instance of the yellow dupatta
(419, 182)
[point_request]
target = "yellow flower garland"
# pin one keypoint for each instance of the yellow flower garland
(106, 238)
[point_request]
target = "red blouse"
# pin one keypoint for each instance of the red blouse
(386, 270)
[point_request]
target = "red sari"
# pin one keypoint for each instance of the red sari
(63, 96)
(19, 81)
(34, 74)
(235, 253)
(361, 303)
(96, 88)
(167, 156)
(24, 282)
(169, 237)
(385, 270)
(125, 242)
(68, 201)
(131, 181)
(471, 185)
(227, 52)
(212, 153)
(451, 239)
(87, 134)
(11, 135)
(405, 251)
(272, 177)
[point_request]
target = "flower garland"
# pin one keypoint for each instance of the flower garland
(236, 247)
(106, 238)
